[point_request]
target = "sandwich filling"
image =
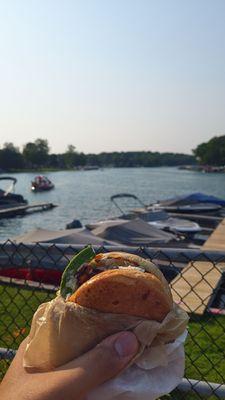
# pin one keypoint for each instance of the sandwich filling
(100, 264)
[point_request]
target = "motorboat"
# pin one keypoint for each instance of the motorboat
(41, 183)
(193, 208)
(90, 168)
(156, 217)
(78, 236)
(195, 198)
(135, 232)
(9, 199)
(161, 219)
(193, 203)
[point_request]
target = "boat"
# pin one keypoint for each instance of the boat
(201, 208)
(114, 232)
(41, 183)
(9, 199)
(87, 168)
(161, 219)
(135, 232)
(191, 203)
(78, 236)
(158, 218)
(90, 168)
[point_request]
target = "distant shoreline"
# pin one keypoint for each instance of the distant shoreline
(46, 170)
(36, 156)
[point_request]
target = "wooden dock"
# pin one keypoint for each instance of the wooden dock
(197, 283)
(217, 240)
(25, 209)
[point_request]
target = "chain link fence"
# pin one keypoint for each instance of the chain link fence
(30, 275)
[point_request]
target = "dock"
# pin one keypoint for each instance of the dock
(217, 240)
(25, 209)
(195, 287)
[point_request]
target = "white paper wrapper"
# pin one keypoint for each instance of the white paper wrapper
(155, 373)
(62, 331)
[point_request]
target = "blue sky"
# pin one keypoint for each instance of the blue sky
(112, 75)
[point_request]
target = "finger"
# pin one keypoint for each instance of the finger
(15, 372)
(16, 363)
(103, 362)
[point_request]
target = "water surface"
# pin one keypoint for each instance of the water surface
(85, 195)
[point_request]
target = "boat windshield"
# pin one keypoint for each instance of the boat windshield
(10, 187)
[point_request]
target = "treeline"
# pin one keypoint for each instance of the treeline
(211, 152)
(37, 154)
(139, 159)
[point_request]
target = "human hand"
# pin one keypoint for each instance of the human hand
(71, 381)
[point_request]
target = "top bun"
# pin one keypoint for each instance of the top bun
(127, 290)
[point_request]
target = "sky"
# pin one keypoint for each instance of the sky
(121, 75)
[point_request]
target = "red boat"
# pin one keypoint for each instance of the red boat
(41, 183)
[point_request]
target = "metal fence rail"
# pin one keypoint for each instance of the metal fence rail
(30, 274)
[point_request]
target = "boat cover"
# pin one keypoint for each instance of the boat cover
(193, 198)
(67, 236)
(8, 198)
(133, 233)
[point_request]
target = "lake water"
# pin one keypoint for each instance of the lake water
(85, 195)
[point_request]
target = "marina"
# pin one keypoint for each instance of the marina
(151, 224)
(85, 195)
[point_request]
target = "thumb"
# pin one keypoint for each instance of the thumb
(103, 362)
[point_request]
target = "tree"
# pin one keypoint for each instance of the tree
(54, 160)
(72, 158)
(211, 152)
(69, 156)
(36, 153)
(10, 157)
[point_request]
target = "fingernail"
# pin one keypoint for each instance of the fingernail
(126, 344)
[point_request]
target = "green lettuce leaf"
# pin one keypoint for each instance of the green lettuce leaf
(68, 281)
